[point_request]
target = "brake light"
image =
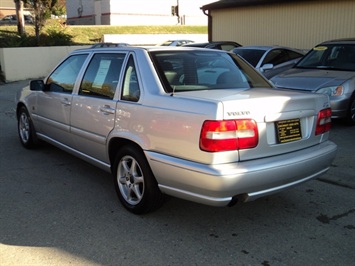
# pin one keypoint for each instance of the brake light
(227, 135)
(324, 121)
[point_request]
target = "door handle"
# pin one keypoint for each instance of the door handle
(65, 102)
(106, 109)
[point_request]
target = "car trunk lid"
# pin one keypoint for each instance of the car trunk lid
(286, 121)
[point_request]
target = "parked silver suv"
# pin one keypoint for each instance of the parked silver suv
(199, 124)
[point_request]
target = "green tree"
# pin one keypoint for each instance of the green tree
(42, 10)
(59, 8)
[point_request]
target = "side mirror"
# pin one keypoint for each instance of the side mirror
(37, 85)
(266, 67)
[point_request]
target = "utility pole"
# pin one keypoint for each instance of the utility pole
(177, 12)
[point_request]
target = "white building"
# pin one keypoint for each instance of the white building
(135, 12)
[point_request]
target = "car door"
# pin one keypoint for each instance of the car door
(54, 103)
(93, 108)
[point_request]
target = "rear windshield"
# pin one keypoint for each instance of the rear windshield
(332, 57)
(205, 70)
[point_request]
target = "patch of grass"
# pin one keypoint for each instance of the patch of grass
(84, 35)
(56, 33)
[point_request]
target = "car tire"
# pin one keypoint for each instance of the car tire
(134, 181)
(25, 129)
(350, 116)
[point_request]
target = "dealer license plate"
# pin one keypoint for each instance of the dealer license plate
(288, 130)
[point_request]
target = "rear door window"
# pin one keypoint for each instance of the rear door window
(102, 75)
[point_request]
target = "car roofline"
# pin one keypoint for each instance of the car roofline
(146, 48)
(343, 40)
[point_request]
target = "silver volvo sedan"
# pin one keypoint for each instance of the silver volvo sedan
(198, 124)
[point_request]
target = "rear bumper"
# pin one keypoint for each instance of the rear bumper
(220, 185)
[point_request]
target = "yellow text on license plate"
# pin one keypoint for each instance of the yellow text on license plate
(288, 130)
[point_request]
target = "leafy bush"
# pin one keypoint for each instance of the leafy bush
(51, 37)
(55, 38)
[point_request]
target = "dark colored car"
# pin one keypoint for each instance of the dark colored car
(222, 45)
(12, 20)
(270, 60)
(328, 68)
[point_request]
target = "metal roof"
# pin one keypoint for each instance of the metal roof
(222, 4)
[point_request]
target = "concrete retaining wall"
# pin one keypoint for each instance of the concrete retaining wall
(36, 62)
(31, 62)
(152, 39)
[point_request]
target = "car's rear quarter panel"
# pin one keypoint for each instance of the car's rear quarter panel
(171, 127)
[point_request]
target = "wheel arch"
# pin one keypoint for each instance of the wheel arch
(116, 144)
(18, 107)
(349, 113)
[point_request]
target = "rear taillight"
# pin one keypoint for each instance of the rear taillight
(324, 121)
(227, 135)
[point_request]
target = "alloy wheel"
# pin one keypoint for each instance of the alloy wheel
(130, 180)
